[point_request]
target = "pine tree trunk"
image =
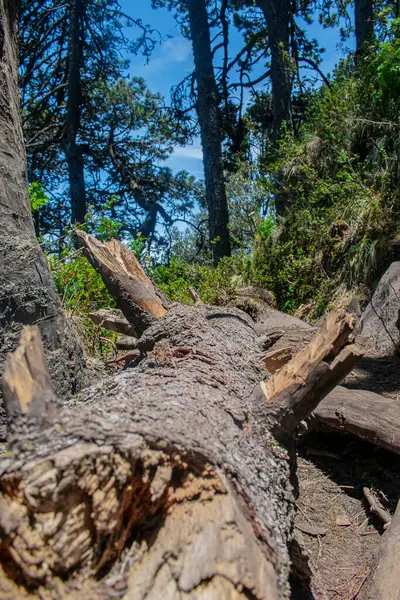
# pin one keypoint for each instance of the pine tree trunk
(210, 127)
(276, 14)
(27, 293)
(73, 150)
(364, 23)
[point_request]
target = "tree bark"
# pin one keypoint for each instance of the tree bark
(73, 150)
(167, 480)
(27, 292)
(276, 14)
(364, 23)
(210, 128)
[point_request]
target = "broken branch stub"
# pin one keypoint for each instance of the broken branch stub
(26, 382)
(126, 281)
(296, 389)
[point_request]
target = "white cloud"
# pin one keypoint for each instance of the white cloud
(189, 152)
(174, 50)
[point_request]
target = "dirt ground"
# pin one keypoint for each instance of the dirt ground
(332, 562)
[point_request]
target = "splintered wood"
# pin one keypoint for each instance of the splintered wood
(26, 382)
(295, 390)
(125, 279)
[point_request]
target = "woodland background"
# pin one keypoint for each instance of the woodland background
(301, 188)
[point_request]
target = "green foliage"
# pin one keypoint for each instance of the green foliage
(214, 285)
(82, 291)
(37, 196)
(338, 179)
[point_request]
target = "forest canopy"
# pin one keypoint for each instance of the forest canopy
(301, 166)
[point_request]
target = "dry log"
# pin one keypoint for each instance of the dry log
(367, 415)
(295, 391)
(384, 583)
(112, 319)
(126, 280)
(195, 297)
(165, 480)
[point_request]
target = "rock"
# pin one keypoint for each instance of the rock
(380, 335)
(126, 342)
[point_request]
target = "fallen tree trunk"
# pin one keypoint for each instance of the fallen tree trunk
(367, 415)
(163, 481)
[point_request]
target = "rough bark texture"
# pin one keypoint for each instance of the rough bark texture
(210, 128)
(276, 14)
(367, 415)
(73, 150)
(364, 23)
(171, 462)
(27, 293)
(384, 584)
(167, 477)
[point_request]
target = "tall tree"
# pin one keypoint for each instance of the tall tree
(210, 128)
(27, 293)
(364, 23)
(277, 17)
(66, 50)
(73, 150)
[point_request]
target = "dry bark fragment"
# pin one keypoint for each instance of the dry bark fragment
(26, 384)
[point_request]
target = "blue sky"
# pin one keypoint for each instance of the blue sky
(172, 60)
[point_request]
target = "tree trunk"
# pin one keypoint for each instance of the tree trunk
(27, 293)
(276, 14)
(364, 23)
(73, 150)
(172, 479)
(210, 128)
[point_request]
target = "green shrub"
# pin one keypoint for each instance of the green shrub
(82, 291)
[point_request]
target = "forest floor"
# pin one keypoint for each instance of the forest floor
(337, 557)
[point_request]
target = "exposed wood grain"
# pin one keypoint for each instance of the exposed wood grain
(296, 389)
(125, 279)
(26, 382)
